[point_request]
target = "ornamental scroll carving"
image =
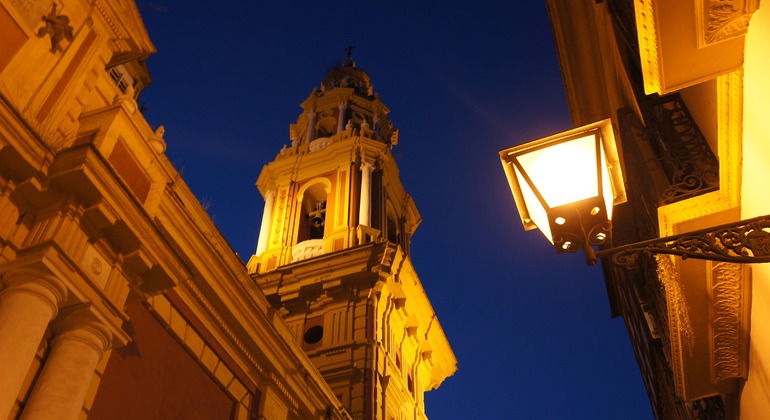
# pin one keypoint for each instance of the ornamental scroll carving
(725, 19)
(728, 320)
(680, 322)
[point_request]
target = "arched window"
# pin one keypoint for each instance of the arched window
(312, 218)
(326, 124)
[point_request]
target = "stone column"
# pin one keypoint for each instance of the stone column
(341, 116)
(63, 384)
(365, 204)
(29, 301)
(267, 217)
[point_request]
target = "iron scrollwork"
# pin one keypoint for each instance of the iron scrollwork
(683, 152)
(745, 241)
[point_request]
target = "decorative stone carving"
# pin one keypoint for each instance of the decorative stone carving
(128, 99)
(681, 332)
(96, 266)
(728, 321)
(307, 249)
(157, 141)
(319, 144)
(724, 19)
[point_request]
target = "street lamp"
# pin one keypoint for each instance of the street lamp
(567, 184)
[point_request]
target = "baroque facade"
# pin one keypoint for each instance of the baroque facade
(119, 298)
(683, 83)
(333, 253)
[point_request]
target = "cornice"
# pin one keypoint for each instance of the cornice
(126, 26)
(648, 45)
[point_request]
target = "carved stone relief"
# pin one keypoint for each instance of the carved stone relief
(728, 320)
(724, 19)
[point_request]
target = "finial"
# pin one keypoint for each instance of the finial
(349, 61)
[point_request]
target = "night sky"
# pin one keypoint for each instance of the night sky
(531, 330)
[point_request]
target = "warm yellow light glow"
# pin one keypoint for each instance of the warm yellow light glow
(565, 172)
(537, 213)
(607, 191)
(547, 175)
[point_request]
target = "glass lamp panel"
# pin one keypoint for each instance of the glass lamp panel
(565, 172)
(536, 211)
(608, 195)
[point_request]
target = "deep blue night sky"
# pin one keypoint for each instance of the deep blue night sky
(531, 330)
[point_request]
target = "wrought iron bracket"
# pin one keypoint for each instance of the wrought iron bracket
(744, 241)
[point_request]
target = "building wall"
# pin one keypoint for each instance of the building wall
(755, 398)
(711, 321)
(118, 295)
(154, 377)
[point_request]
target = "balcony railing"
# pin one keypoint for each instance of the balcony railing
(678, 156)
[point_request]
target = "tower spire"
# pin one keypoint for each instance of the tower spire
(349, 62)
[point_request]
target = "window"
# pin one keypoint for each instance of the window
(121, 79)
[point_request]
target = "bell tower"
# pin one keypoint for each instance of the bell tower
(333, 253)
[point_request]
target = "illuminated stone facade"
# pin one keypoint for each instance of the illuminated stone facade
(333, 254)
(683, 83)
(119, 298)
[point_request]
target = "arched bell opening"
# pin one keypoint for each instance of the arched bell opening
(326, 124)
(312, 223)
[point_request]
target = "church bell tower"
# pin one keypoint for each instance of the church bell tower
(333, 254)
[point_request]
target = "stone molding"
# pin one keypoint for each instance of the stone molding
(648, 44)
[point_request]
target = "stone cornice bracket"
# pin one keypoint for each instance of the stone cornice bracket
(718, 20)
